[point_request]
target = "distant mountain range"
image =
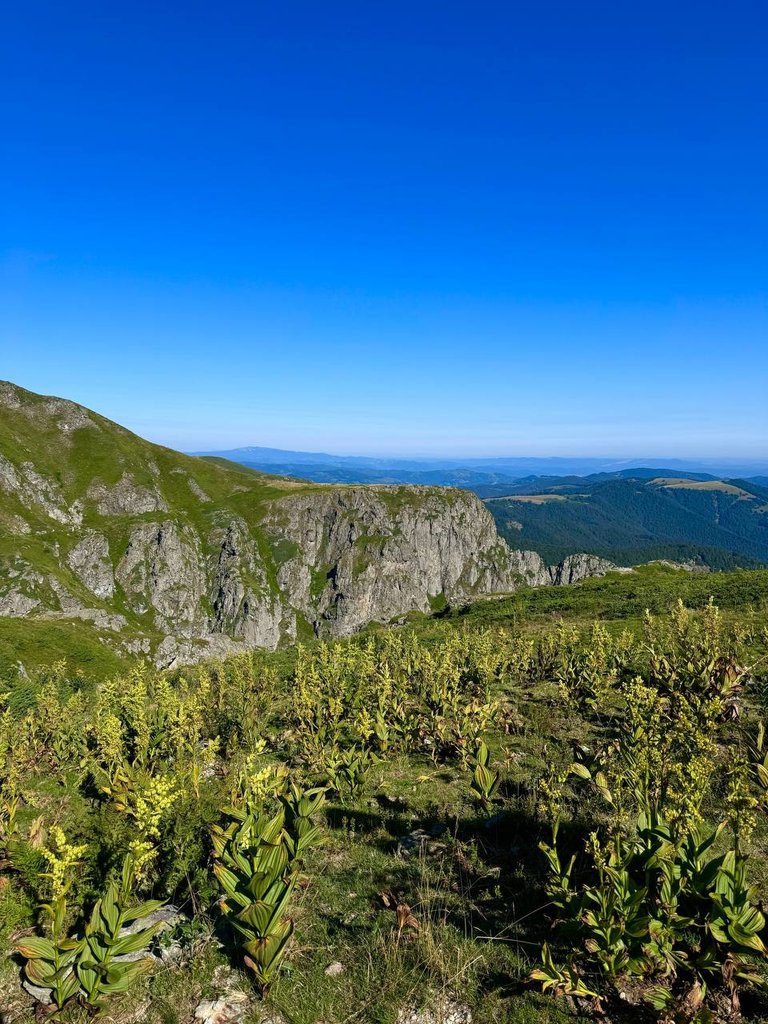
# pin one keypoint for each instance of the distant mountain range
(709, 512)
(486, 476)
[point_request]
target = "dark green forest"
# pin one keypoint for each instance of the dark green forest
(720, 524)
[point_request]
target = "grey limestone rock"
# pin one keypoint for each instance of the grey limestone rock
(15, 605)
(162, 568)
(173, 650)
(355, 555)
(89, 560)
(578, 567)
(126, 497)
(35, 491)
(244, 606)
(442, 1011)
(22, 589)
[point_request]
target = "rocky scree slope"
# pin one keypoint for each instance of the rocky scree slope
(180, 558)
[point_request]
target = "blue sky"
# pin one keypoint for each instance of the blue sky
(462, 228)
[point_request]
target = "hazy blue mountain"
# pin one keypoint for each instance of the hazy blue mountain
(465, 472)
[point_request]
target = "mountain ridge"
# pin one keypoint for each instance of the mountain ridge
(614, 518)
(173, 557)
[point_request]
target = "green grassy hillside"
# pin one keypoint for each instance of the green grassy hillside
(621, 599)
(65, 471)
(74, 447)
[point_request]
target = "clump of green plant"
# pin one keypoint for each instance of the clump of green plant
(258, 857)
(350, 770)
(485, 781)
(100, 971)
(658, 909)
(50, 962)
(89, 967)
(301, 807)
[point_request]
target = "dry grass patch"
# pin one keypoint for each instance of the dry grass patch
(700, 485)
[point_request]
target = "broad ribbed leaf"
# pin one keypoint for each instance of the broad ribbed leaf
(40, 972)
(34, 946)
(745, 938)
(95, 919)
(88, 977)
(133, 943)
(258, 917)
(267, 951)
(718, 931)
(239, 860)
(109, 909)
(751, 919)
(70, 986)
(142, 910)
(228, 879)
(98, 949)
(129, 973)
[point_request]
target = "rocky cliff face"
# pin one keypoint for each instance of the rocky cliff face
(182, 558)
(354, 555)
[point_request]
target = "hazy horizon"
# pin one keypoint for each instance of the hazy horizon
(631, 461)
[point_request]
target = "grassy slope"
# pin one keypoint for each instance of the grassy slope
(36, 644)
(105, 451)
(487, 884)
(624, 597)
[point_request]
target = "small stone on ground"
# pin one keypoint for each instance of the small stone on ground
(444, 1011)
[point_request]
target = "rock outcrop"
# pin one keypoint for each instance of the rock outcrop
(89, 560)
(353, 555)
(243, 604)
(126, 497)
(578, 567)
(162, 567)
(187, 558)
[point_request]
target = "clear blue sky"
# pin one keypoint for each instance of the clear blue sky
(467, 228)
